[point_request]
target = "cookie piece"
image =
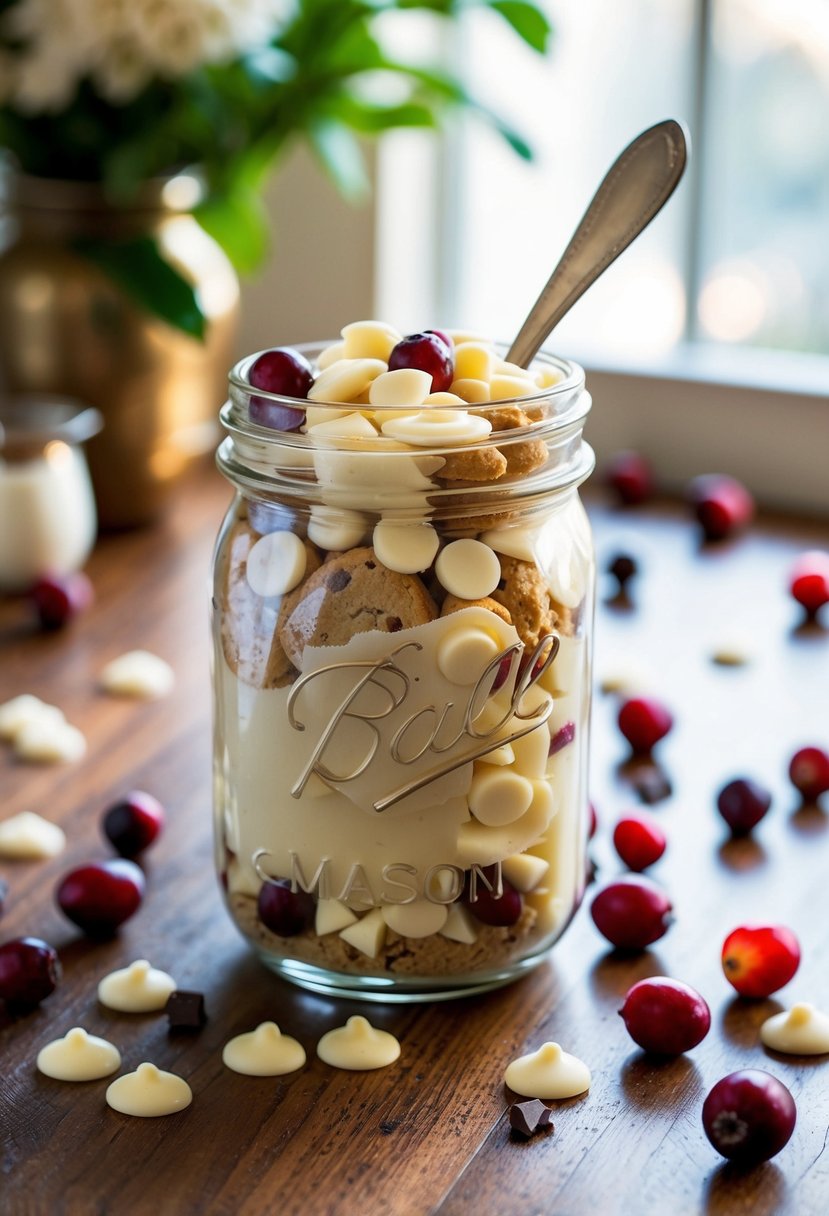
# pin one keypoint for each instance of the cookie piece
(453, 603)
(352, 593)
(525, 595)
(524, 456)
(477, 464)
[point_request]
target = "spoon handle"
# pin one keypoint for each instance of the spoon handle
(634, 190)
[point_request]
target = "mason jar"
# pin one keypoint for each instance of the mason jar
(402, 610)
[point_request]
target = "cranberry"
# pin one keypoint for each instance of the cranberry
(749, 1116)
(283, 911)
(644, 721)
(59, 598)
(639, 841)
(759, 959)
(489, 909)
(29, 971)
(503, 672)
(444, 337)
(742, 804)
(564, 735)
(133, 824)
(809, 580)
(593, 822)
(665, 1016)
(630, 475)
(286, 373)
(809, 772)
(100, 896)
(722, 505)
(427, 352)
(631, 912)
(623, 567)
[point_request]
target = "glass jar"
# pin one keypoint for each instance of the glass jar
(402, 687)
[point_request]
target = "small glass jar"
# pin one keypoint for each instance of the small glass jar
(402, 628)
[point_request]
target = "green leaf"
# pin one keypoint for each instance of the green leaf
(341, 157)
(147, 279)
(528, 21)
(239, 222)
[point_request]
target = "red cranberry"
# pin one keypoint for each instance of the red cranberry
(29, 971)
(444, 337)
(59, 598)
(286, 373)
(665, 1016)
(564, 735)
(427, 352)
(742, 804)
(809, 772)
(133, 825)
(722, 505)
(283, 911)
(100, 896)
(632, 912)
(809, 580)
(759, 959)
(639, 841)
(749, 1116)
(644, 721)
(492, 909)
(630, 475)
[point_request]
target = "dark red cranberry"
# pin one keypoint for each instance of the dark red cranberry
(489, 908)
(286, 373)
(809, 580)
(29, 971)
(623, 567)
(100, 896)
(742, 804)
(644, 721)
(502, 674)
(809, 772)
(665, 1016)
(427, 352)
(444, 337)
(631, 912)
(749, 1116)
(133, 824)
(59, 598)
(564, 735)
(722, 505)
(283, 911)
(639, 841)
(630, 475)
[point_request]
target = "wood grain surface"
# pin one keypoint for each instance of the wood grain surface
(429, 1134)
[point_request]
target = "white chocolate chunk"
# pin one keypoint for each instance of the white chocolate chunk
(335, 528)
(345, 379)
(358, 1046)
(460, 925)
(546, 377)
(444, 399)
(241, 880)
(78, 1056)
(331, 916)
(22, 710)
(420, 918)
(138, 988)
(405, 548)
(507, 388)
(499, 755)
(464, 653)
(330, 355)
(263, 1052)
(503, 367)
(30, 837)
(731, 652)
(474, 361)
(473, 392)
(368, 934)
(315, 414)
(436, 427)
(369, 340)
(138, 673)
(498, 796)
(800, 1031)
(532, 750)
(347, 426)
(624, 678)
(149, 1092)
(548, 1073)
(524, 871)
(480, 844)
(276, 564)
(460, 336)
(468, 569)
(46, 741)
(513, 542)
(404, 387)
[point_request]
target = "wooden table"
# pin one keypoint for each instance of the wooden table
(429, 1134)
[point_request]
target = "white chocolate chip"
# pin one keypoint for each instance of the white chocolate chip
(406, 387)
(474, 361)
(369, 340)
(45, 741)
(345, 379)
(405, 548)
(468, 569)
(473, 392)
(78, 1056)
(358, 1046)
(22, 710)
(330, 355)
(369, 933)
(546, 377)
(263, 1052)
(548, 1073)
(800, 1031)
(463, 654)
(498, 796)
(149, 1092)
(336, 529)
(513, 542)
(531, 750)
(332, 916)
(460, 926)
(276, 564)
(348, 426)
(420, 918)
(480, 844)
(28, 836)
(524, 871)
(444, 399)
(138, 988)
(437, 427)
(138, 673)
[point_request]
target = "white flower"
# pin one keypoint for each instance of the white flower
(46, 83)
(122, 72)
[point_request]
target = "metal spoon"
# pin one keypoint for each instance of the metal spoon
(634, 190)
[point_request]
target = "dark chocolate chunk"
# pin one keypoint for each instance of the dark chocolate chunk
(623, 567)
(527, 1118)
(185, 1010)
(338, 581)
(652, 785)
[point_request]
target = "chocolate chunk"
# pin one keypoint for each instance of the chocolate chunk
(527, 1118)
(623, 567)
(185, 1010)
(652, 785)
(338, 580)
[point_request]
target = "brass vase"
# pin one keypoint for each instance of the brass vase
(67, 328)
